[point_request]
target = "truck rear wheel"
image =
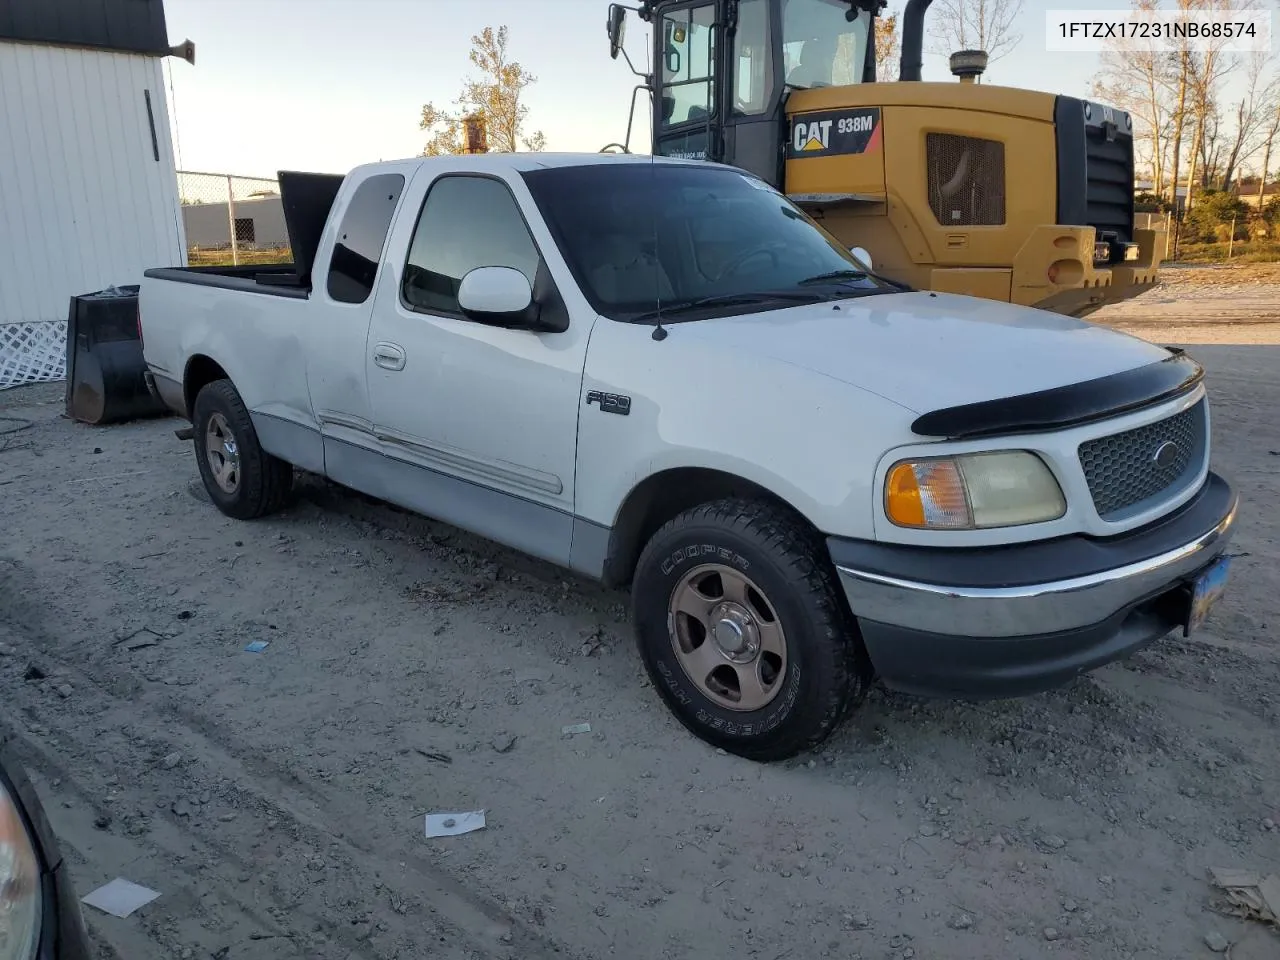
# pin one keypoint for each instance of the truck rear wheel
(242, 479)
(742, 630)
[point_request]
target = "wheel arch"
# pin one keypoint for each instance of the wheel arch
(201, 370)
(664, 495)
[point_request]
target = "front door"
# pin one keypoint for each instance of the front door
(483, 417)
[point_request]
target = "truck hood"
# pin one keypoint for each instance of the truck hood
(927, 351)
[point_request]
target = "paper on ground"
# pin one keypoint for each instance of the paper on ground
(452, 824)
(120, 897)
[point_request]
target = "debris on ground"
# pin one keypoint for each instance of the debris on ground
(257, 646)
(435, 755)
(1250, 895)
(120, 897)
(504, 742)
(453, 824)
(575, 728)
(1216, 942)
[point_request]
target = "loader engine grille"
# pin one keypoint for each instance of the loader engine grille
(966, 180)
(1127, 471)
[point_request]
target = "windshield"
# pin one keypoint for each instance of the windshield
(820, 48)
(639, 234)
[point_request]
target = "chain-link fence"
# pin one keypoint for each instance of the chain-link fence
(232, 220)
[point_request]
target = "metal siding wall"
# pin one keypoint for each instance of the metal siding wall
(83, 202)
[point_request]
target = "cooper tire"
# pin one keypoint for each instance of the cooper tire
(764, 574)
(242, 479)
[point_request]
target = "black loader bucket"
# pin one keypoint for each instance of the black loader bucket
(104, 359)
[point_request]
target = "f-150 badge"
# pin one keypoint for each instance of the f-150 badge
(834, 132)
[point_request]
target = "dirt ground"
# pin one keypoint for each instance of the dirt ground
(276, 799)
(1220, 303)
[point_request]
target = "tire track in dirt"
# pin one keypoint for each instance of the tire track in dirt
(279, 800)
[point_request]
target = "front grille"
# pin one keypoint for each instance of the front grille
(966, 180)
(1122, 471)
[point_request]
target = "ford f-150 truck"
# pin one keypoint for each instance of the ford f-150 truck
(664, 374)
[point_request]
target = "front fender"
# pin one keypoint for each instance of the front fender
(811, 440)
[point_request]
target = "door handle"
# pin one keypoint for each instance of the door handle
(389, 356)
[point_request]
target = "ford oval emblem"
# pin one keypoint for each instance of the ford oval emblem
(1166, 454)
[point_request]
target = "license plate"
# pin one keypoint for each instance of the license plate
(1206, 591)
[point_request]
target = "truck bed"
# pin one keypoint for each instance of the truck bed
(307, 199)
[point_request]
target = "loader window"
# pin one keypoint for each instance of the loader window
(753, 79)
(820, 48)
(688, 45)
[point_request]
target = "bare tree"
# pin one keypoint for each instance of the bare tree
(496, 95)
(1182, 72)
(1252, 113)
(1206, 70)
(975, 25)
(1270, 138)
(1136, 78)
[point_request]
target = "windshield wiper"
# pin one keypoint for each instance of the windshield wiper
(732, 300)
(832, 276)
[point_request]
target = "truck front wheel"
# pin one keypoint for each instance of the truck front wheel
(742, 630)
(242, 479)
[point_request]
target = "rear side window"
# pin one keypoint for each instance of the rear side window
(466, 222)
(361, 237)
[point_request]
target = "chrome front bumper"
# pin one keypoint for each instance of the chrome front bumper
(987, 620)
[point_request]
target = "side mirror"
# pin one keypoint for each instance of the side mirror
(498, 295)
(860, 254)
(617, 29)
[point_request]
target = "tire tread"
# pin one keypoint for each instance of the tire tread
(266, 480)
(799, 551)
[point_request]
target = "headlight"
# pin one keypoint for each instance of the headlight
(20, 893)
(973, 491)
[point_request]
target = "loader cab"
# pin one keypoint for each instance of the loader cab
(723, 68)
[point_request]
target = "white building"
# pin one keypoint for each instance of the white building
(259, 224)
(88, 189)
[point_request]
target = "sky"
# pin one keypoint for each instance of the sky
(325, 85)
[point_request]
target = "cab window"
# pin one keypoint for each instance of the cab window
(357, 251)
(820, 47)
(688, 55)
(466, 222)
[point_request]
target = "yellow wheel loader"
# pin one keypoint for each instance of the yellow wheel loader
(964, 187)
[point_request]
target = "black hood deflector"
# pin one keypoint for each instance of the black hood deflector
(1066, 406)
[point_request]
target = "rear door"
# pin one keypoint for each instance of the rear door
(347, 273)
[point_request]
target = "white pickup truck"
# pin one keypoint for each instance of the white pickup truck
(664, 374)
